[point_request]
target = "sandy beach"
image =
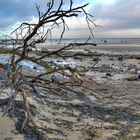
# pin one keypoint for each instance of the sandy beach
(70, 70)
(115, 116)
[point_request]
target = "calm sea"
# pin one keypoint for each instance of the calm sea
(96, 40)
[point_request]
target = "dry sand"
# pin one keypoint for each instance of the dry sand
(7, 129)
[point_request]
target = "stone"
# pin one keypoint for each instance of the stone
(108, 74)
(91, 98)
(107, 116)
(138, 74)
(131, 78)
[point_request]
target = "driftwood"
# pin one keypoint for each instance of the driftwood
(31, 34)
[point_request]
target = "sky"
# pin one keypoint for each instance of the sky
(114, 18)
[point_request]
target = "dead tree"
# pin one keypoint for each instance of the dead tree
(31, 35)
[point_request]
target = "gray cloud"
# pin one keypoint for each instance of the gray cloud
(13, 11)
(123, 14)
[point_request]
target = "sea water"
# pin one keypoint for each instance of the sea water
(94, 40)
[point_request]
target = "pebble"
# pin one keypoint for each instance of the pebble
(91, 98)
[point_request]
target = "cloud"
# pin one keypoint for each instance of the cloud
(14, 11)
(77, 28)
(116, 17)
(120, 15)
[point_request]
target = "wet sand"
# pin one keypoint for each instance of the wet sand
(6, 127)
(119, 48)
(115, 116)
